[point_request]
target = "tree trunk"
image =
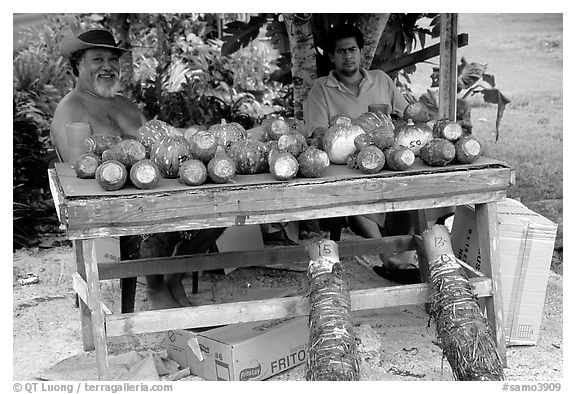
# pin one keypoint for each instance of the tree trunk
(122, 24)
(372, 27)
(299, 28)
(162, 44)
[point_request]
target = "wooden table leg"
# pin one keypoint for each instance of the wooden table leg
(420, 222)
(335, 228)
(487, 229)
(128, 296)
(98, 317)
(85, 314)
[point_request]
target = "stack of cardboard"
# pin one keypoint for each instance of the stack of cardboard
(526, 242)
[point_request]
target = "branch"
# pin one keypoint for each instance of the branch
(416, 57)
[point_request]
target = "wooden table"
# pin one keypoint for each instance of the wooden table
(87, 212)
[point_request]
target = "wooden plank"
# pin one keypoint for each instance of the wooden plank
(85, 313)
(448, 69)
(232, 219)
(274, 308)
(81, 288)
(254, 205)
(98, 316)
(487, 226)
(57, 196)
(422, 55)
(470, 271)
(267, 256)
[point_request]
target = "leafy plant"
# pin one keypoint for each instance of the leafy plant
(41, 77)
(472, 79)
(243, 34)
(32, 205)
(199, 86)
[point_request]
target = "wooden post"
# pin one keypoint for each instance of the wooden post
(97, 312)
(332, 345)
(448, 69)
(85, 313)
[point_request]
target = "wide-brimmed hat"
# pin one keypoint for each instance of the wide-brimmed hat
(96, 38)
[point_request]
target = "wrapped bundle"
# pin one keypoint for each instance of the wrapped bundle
(332, 345)
(464, 333)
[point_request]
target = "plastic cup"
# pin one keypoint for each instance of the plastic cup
(76, 133)
(384, 108)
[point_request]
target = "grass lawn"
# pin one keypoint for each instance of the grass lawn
(524, 52)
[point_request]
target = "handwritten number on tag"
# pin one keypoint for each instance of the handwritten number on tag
(439, 242)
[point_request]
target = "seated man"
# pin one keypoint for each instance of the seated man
(94, 57)
(348, 90)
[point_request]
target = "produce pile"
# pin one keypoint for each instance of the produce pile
(371, 143)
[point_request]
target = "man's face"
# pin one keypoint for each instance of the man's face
(99, 71)
(346, 56)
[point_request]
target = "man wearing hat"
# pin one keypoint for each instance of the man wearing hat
(95, 59)
(94, 56)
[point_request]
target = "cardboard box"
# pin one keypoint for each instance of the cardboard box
(107, 249)
(245, 351)
(526, 241)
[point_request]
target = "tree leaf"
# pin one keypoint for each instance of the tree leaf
(239, 34)
(284, 72)
(436, 25)
(276, 30)
(494, 96)
(430, 100)
(422, 37)
(489, 78)
(435, 77)
(469, 74)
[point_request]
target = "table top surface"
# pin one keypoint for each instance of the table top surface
(74, 187)
(86, 210)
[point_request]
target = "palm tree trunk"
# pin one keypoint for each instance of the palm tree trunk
(121, 25)
(299, 28)
(162, 44)
(372, 27)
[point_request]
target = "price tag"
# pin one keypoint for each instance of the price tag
(325, 248)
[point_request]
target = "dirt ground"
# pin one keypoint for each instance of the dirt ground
(394, 343)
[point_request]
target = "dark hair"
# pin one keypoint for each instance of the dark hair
(344, 31)
(74, 60)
